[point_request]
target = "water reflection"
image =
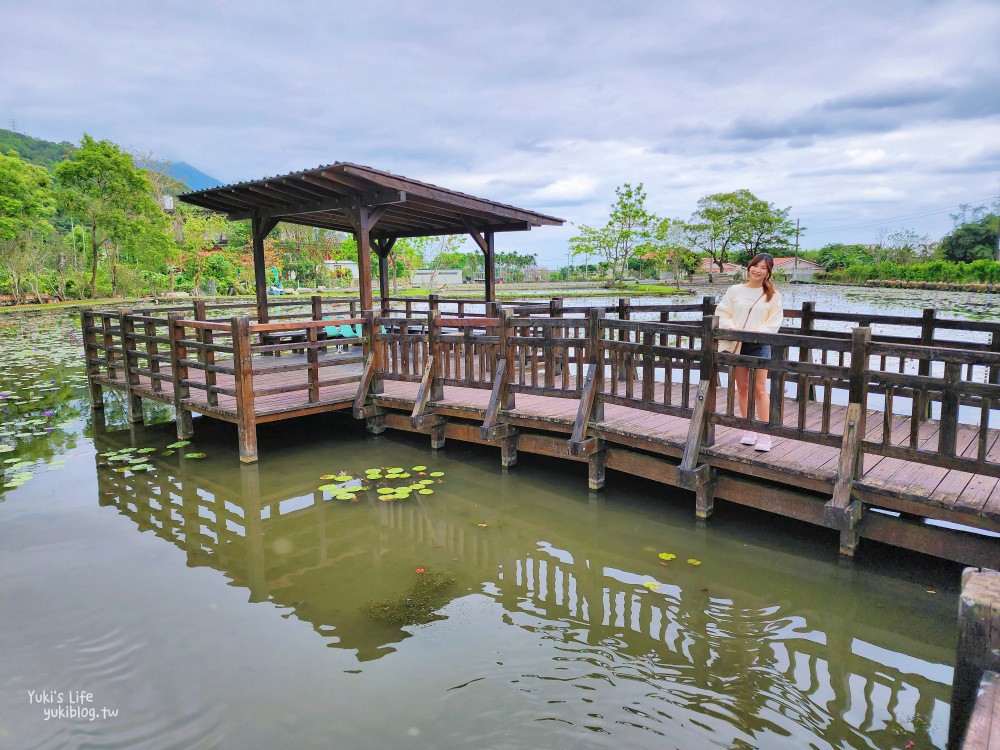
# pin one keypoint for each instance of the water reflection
(754, 648)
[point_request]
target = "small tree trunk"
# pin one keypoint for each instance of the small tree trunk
(93, 265)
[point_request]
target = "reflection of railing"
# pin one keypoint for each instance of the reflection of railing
(814, 665)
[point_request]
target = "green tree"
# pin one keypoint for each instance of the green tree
(26, 206)
(976, 240)
(627, 233)
(837, 255)
(738, 224)
(670, 248)
(105, 191)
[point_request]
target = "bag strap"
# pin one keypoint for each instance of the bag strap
(747, 319)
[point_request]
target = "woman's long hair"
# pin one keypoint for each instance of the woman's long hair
(768, 261)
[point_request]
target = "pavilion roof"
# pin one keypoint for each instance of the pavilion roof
(408, 208)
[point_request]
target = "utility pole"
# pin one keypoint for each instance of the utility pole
(795, 266)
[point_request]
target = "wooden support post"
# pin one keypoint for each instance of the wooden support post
(843, 512)
(133, 402)
(921, 403)
(246, 418)
(804, 389)
(152, 352)
(109, 353)
(508, 451)
(978, 649)
(312, 357)
(595, 469)
(260, 227)
(437, 436)
(94, 391)
(583, 440)
(691, 474)
(948, 434)
(179, 376)
(375, 424)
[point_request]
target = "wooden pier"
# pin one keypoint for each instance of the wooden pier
(881, 424)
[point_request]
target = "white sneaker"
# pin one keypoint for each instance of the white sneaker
(749, 438)
(763, 444)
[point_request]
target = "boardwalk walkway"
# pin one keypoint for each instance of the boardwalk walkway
(648, 397)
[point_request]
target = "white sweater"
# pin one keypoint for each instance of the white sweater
(765, 316)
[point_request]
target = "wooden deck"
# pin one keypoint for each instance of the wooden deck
(649, 398)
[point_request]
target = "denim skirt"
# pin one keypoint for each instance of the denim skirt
(755, 350)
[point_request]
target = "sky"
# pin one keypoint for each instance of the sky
(860, 117)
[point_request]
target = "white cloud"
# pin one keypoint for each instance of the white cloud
(836, 109)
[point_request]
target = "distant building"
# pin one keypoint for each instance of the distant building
(346, 265)
(797, 270)
(728, 269)
(432, 278)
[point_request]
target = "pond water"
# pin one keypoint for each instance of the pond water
(163, 596)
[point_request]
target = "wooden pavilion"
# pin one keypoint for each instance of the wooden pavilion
(377, 207)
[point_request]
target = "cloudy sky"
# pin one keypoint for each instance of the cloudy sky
(859, 116)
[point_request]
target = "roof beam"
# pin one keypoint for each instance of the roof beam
(380, 198)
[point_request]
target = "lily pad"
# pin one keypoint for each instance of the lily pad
(386, 491)
(692, 561)
(437, 474)
(330, 488)
(419, 468)
(346, 496)
(667, 556)
(194, 455)
(6, 448)
(651, 585)
(426, 492)
(179, 444)
(146, 450)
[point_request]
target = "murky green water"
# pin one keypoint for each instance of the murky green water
(206, 604)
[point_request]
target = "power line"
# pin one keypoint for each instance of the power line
(905, 218)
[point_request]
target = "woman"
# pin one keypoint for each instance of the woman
(754, 305)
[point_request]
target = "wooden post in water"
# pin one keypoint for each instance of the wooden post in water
(978, 651)
(94, 390)
(843, 512)
(246, 422)
(179, 375)
(133, 403)
(690, 474)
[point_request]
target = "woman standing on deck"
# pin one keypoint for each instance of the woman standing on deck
(754, 305)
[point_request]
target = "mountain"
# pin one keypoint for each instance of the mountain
(43, 153)
(192, 177)
(47, 154)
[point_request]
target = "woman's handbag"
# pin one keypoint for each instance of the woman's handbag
(729, 346)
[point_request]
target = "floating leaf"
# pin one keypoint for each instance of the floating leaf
(651, 585)
(482, 525)
(6, 448)
(692, 561)
(330, 487)
(168, 453)
(419, 468)
(667, 556)
(386, 491)
(328, 476)
(179, 444)
(343, 478)
(147, 450)
(426, 492)
(346, 496)
(396, 470)
(194, 455)
(437, 474)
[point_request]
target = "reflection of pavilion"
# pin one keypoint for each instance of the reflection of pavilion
(729, 652)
